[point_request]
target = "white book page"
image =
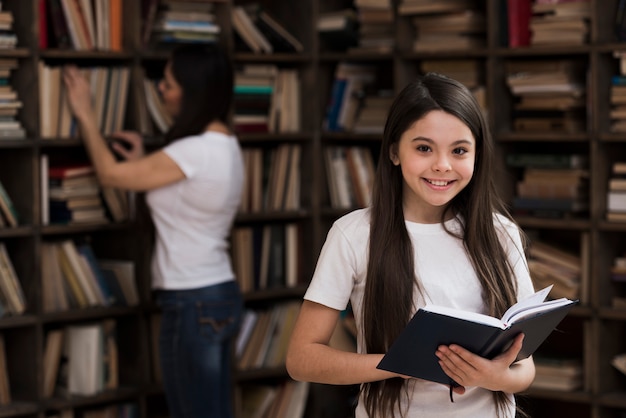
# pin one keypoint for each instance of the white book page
(534, 310)
(470, 316)
(532, 300)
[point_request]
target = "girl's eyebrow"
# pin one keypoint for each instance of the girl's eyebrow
(461, 141)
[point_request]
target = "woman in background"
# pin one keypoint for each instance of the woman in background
(194, 185)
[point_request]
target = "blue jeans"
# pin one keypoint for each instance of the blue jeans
(198, 327)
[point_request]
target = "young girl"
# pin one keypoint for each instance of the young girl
(436, 232)
(194, 188)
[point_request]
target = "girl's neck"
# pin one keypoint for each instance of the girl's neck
(217, 126)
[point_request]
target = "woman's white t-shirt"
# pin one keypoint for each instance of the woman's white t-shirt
(193, 217)
(447, 278)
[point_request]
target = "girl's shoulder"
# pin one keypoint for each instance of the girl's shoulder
(356, 218)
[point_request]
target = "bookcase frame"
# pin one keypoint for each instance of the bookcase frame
(596, 330)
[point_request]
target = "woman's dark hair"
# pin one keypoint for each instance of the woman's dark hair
(205, 75)
(391, 281)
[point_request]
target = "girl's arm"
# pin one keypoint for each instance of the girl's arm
(499, 374)
(309, 357)
(140, 174)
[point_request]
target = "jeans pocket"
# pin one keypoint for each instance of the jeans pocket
(218, 321)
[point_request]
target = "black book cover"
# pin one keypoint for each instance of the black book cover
(413, 352)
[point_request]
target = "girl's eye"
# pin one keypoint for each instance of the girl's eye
(459, 151)
(423, 148)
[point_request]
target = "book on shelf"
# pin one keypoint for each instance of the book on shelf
(51, 360)
(8, 212)
(12, 298)
(338, 30)
(414, 7)
(92, 359)
(274, 31)
(82, 24)
(256, 399)
(619, 362)
(413, 352)
(5, 384)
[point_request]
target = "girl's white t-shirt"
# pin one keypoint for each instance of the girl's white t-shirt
(193, 217)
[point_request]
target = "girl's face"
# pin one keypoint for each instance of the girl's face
(436, 156)
(171, 92)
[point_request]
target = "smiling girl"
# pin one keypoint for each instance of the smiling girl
(436, 232)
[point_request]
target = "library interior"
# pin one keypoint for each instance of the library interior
(313, 83)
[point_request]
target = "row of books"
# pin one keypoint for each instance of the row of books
(285, 400)
(272, 179)
(109, 88)
(348, 89)
(547, 22)
(267, 257)
(560, 374)
(350, 175)
(257, 30)
(81, 24)
(566, 270)
(81, 359)
(12, 298)
(170, 23)
(267, 99)
(125, 410)
(73, 278)
(264, 336)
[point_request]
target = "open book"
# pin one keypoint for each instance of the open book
(413, 352)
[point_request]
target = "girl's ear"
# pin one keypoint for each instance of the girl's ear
(393, 154)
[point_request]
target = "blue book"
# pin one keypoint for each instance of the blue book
(86, 251)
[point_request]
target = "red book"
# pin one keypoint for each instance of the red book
(69, 171)
(43, 25)
(519, 13)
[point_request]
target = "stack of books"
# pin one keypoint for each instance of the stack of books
(10, 127)
(551, 95)
(75, 195)
(552, 185)
(8, 38)
(616, 194)
(169, 23)
(376, 28)
(338, 30)
(445, 25)
(617, 95)
(559, 22)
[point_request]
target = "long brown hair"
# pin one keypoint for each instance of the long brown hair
(205, 75)
(388, 301)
